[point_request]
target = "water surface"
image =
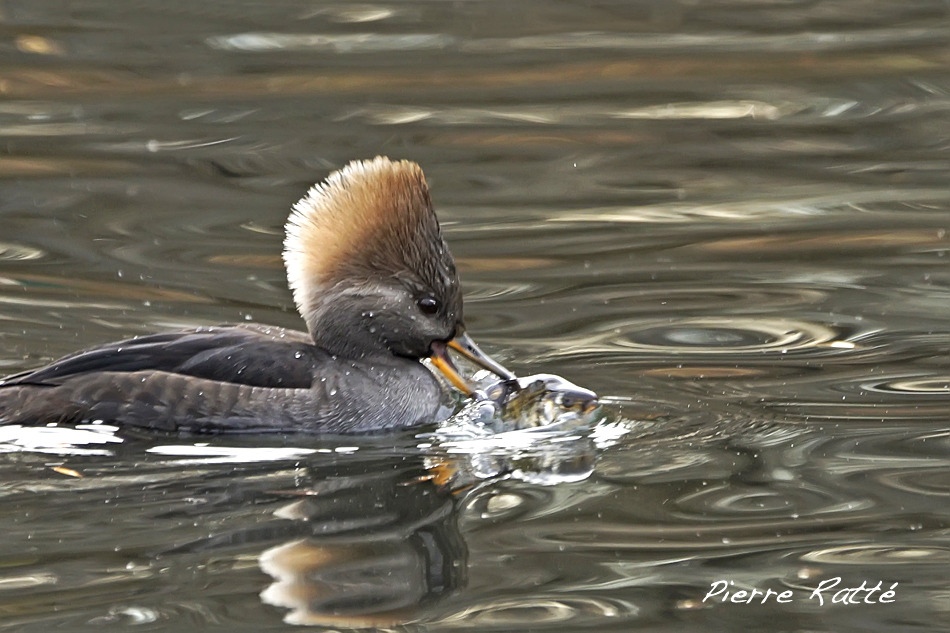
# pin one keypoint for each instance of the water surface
(727, 218)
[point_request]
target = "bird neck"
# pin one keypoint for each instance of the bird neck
(337, 330)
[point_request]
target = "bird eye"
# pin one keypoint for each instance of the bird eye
(429, 305)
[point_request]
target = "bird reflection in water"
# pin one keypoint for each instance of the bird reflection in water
(383, 544)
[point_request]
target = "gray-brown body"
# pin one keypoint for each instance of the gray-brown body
(378, 289)
(246, 378)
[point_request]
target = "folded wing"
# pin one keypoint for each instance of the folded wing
(246, 355)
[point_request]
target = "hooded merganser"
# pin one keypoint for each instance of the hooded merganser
(377, 287)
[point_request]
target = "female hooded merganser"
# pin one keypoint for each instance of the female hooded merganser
(377, 287)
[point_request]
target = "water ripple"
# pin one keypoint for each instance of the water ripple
(335, 43)
(722, 42)
(924, 385)
(19, 253)
(852, 396)
(577, 115)
(933, 482)
(728, 218)
(879, 555)
(708, 336)
(714, 42)
(540, 610)
(779, 500)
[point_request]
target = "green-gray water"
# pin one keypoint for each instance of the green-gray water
(727, 218)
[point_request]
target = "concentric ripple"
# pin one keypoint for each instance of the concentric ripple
(880, 555)
(921, 386)
(707, 337)
(540, 611)
(779, 500)
(854, 395)
(932, 482)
